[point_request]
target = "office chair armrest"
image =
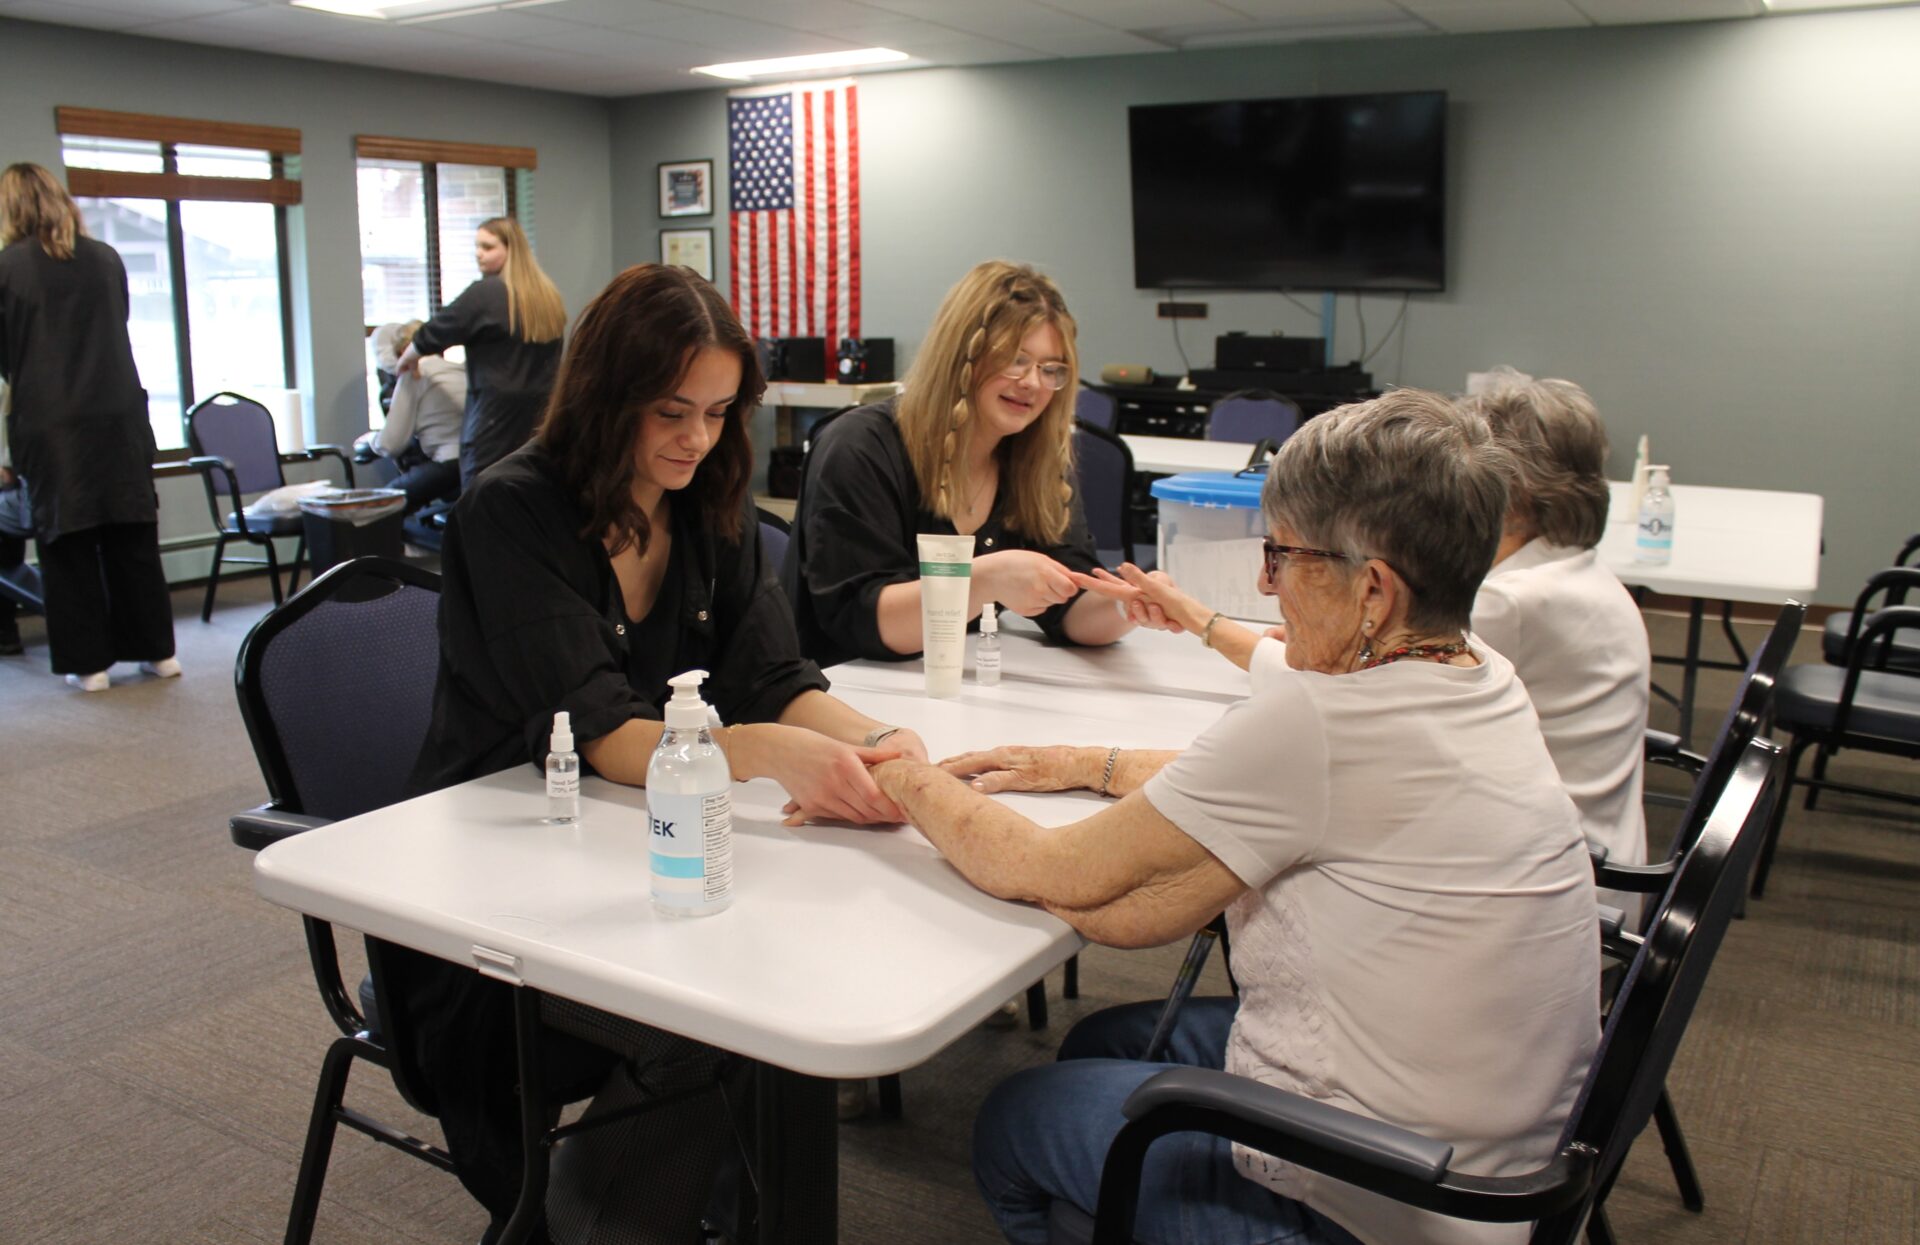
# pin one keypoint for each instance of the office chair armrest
(206, 465)
(1662, 748)
(1362, 1151)
(1616, 940)
(316, 452)
(261, 827)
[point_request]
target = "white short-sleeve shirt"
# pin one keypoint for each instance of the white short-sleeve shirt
(1577, 640)
(1418, 941)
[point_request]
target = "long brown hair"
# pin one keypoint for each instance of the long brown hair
(33, 204)
(631, 347)
(535, 310)
(978, 330)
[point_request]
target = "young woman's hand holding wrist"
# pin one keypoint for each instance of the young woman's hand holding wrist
(827, 780)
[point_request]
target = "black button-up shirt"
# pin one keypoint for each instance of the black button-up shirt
(854, 530)
(531, 622)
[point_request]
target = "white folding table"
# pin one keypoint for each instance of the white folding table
(846, 953)
(1172, 455)
(1729, 544)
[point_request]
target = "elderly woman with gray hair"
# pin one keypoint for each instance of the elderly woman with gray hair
(1403, 875)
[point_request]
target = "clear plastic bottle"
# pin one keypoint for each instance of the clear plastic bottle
(1653, 543)
(563, 773)
(690, 809)
(986, 650)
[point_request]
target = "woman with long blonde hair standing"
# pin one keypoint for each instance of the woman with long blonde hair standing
(511, 321)
(78, 432)
(980, 443)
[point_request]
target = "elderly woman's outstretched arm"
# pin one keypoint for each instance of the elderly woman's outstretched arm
(1125, 877)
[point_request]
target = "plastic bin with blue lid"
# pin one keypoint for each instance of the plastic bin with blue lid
(1210, 535)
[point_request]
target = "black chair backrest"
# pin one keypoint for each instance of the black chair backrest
(336, 687)
(1749, 715)
(1103, 466)
(1253, 415)
(238, 429)
(1650, 1013)
(773, 546)
(1091, 406)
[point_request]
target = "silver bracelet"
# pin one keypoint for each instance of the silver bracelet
(877, 734)
(1106, 779)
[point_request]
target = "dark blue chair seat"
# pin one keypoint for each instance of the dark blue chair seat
(1905, 654)
(270, 525)
(1885, 705)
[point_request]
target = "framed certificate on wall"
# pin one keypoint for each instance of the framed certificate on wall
(692, 248)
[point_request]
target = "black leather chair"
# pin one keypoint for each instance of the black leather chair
(1869, 704)
(336, 690)
(1837, 632)
(1667, 969)
(237, 455)
(1103, 476)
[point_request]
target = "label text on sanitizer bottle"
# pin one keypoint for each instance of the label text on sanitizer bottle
(691, 846)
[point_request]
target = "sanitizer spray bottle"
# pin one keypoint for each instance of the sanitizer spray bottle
(563, 773)
(986, 649)
(690, 809)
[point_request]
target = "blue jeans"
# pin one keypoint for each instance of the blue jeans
(1043, 1134)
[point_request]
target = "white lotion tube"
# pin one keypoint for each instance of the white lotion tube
(946, 578)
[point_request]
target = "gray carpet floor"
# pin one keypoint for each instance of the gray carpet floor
(160, 1035)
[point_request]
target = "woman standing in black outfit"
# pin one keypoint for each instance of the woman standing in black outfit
(511, 321)
(79, 435)
(616, 550)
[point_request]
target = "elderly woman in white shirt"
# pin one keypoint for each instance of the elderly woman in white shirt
(1549, 606)
(429, 403)
(1404, 877)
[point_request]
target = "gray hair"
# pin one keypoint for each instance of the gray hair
(1559, 449)
(1407, 478)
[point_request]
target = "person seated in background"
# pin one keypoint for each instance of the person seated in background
(422, 433)
(980, 444)
(614, 551)
(1404, 878)
(1549, 606)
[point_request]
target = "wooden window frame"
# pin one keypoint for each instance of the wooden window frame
(172, 186)
(430, 154)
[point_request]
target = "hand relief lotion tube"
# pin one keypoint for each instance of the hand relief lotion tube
(946, 577)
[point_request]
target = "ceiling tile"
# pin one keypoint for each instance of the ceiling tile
(736, 38)
(1633, 12)
(74, 15)
(1320, 12)
(1465, 16)
(619, 14)
(1145, 14)
(508, 26)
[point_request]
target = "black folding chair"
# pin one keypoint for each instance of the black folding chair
(1869, 704)
(336, 690)
(1663, 982)
(237, 453)
(1841, 627)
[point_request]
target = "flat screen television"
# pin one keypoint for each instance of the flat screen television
(1329, 192)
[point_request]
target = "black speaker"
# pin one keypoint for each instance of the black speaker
(798, 358)
(864, 359)
(1246, 352)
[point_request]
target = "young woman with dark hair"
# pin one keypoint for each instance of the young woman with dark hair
(615, 550)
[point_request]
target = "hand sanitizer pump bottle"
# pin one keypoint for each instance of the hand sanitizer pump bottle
(690, 809)
(1653, 543)
(986, 649)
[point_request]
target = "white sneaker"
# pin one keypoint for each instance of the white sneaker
(95, 682)
(165, 668)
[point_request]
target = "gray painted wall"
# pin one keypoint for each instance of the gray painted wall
(44, 66)
(1711, 226)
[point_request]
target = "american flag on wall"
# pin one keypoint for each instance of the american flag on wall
(794, 163)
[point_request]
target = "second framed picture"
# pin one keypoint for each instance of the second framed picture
(691, 247)
(686, 188)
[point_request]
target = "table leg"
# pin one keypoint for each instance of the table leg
(527, 1213)
(797, 1155)
(1690, 673)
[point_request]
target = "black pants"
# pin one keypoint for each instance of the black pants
(106, 597)
(428, 482)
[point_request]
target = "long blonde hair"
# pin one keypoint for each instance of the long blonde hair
(977, 331)
(34, 204)
(534, 308)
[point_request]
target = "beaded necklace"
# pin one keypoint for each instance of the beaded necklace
(1445, 651)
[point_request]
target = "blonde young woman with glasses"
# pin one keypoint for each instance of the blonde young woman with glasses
(980, 443)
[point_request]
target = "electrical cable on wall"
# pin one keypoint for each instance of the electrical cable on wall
(1360, 314)
(1173, 297)
(1365, 357)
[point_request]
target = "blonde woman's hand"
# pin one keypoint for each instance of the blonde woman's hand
(1023, 581)
(1021, 768)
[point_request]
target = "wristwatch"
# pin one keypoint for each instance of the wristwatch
(877, 734)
